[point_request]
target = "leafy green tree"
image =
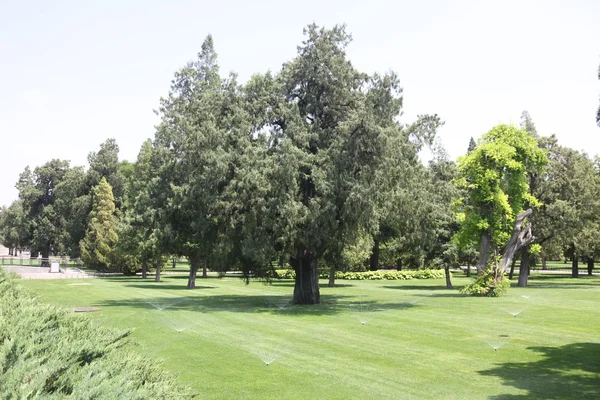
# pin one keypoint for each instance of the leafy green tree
(13, 227)
(495, 178)
(192, 144)
(73, 203)
(37, 190)
(101, 236)
(334, 130)
(105, 163)
(141, 241)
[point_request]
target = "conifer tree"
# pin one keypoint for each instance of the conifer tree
(101, 236)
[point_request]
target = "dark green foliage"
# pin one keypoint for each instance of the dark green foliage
(472, 145)
(48, 352)
(37, 191)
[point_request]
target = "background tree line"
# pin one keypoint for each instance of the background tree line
(308, 167)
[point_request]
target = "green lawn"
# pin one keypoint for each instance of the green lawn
(369, 340)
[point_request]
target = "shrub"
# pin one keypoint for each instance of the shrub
(370, 275)
(46, 351)
(488, 284)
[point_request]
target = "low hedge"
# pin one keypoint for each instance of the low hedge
(50, 352)
(371, 275)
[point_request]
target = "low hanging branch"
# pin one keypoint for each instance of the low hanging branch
(520, 238)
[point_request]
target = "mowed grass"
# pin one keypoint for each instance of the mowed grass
(368, 340)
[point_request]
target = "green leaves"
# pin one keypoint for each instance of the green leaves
(495, 176)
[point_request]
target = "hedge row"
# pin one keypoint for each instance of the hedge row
(371, 275)
(49, 352)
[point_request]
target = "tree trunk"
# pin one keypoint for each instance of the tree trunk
(590, 266)
(205, 268)
(524, 269)
(574, 261)
(46, 257)
(468, 270)
(512, 268)
(484, 252)
(331, 276)
(144, 270)
(520, 238)
(374, 259)
(34, 254)
(158, 268)
(194, 266)
(306, 287)
(399, 264)
(544, 266)
(174, 262)
(448, 280)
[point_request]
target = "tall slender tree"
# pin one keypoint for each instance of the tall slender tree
(101, 237)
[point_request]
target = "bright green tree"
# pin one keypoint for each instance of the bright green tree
(495, 177)
(101, 236)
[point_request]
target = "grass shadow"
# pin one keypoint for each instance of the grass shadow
(540, 281)
(330, 304)
(571, 371)
(161, 286)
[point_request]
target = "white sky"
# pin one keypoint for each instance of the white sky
(74, 73)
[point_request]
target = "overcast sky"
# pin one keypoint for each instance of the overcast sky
(74, 73)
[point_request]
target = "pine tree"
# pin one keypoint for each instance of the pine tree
(101, 236)
(472, 145)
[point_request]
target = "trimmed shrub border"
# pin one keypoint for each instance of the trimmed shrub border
(370, 275)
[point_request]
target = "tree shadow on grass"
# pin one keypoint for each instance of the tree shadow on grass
(539, 281)
(438, 291)
(161, 286)
(330, 304)
(568, 372)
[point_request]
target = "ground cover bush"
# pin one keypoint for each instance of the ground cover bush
(370, 275)
(50, 352)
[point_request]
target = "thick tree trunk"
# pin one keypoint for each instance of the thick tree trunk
(46, 257)
(174, 262)
(306, 288)
(590, 265)
(144, 270)
(574, 262)
(158, 268)
(524, 269)
(331, 277)
(468, 270)
(34, 254)
(511, 274)
(205, 268)
(448, 277)
(194, 266)
(520, 238)
(374, 259)
(575, 267)
(484, 252)
(399, 264)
